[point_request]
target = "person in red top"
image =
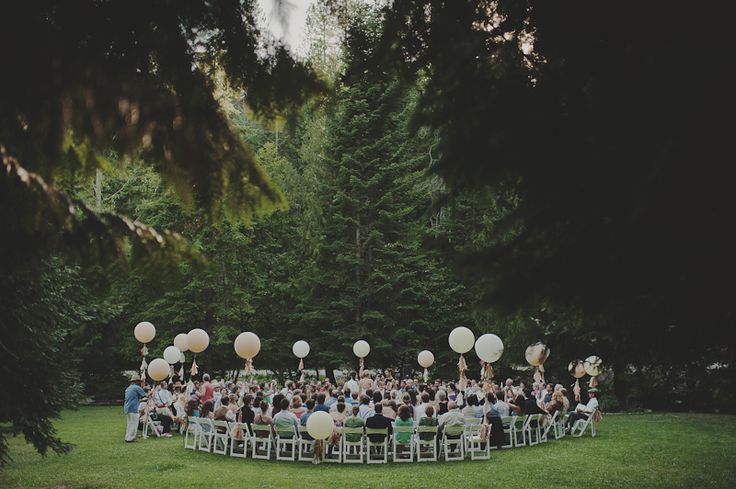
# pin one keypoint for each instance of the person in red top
(206, 390)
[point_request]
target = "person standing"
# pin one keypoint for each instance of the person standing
(133, 396)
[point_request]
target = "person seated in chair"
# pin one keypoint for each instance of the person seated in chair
(224, 413)
(379, 421)
(404, 420)
(583, 411)
(354, 421)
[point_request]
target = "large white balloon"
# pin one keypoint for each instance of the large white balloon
(181, 341)
(320, 425)
(361, 348)
(489, 348)
(247, 345)
(300, 349)
(576, 369)
(461, 340)
(144, 332)
(172, 354)
(425, 358)
(158, 369)
(537, 354)
(198, 340)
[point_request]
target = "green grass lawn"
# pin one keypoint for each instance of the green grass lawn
(630, 451)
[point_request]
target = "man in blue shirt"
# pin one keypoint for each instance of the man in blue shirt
(321, 406)
(133, 396)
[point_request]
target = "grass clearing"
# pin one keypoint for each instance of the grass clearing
(639, 451)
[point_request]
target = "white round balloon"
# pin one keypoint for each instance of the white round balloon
(144, 332)
(593, 366)
(158, 369)
(489, 348)
(172, 354)
(320, 425)
(425, 358)
(361, 348)
(300, 349)
(461, 340)
(198, 340)
(181, 341)
(247, 345)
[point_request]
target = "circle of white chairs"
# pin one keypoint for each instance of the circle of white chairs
(376, 446)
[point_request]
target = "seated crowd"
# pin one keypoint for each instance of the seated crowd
(378, 401)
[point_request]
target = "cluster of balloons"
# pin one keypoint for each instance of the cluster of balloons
(196, 341)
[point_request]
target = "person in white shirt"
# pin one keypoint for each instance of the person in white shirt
(583, 411)
(502, 407)
(365, 411)
(352, 384)
(420, 409)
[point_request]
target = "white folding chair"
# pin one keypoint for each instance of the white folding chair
(426, 443)
(261, 441)
(559, 427)
(287, 442)
(453, 443)
(352, 445)
(517, 428)
(306, 446)
(376, 451)
(551, 423)
(532, 429)
(221, 443)
(479, 449)
(150, 425)
(403, 452)
(578, 429)
(332, 453)
(206, 434)
(508, 430)
(193, 432)
(239, 439)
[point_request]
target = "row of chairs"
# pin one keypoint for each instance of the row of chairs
(367, 445)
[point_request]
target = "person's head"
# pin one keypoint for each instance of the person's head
(364, 399)
(441, 396)
(593, 392)
(404, 412)
(425, 397)
(136, 379)
(377, 397)
(378, 408)
(559, 387)
(207, 408)
(356, 410)
(557, 396)
(321, 398)
(354, 396)
(340, 406)
(406, 398)
(284, 404)
(206, 378)
(472, 400)
(296, 402)
(429, 411)
(264, 406)
(509, 382)
(248, 400)
(527, 393)
(491, 398)
(352, 375)
(451, 405)
(310, 405)
(550, 388)
(225, 401)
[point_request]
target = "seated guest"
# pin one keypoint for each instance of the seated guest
(378, 420)
(556, 403)
(530, 405)
(320, 405)
(354, 421)
(311, 409)
(339, 415)
(453, 417)
(224, 413)
(365, 408)
(406, 401)
(427, 420)
(472, 409)
(583, 411)
(297, 408)
(262, 417)
(246, 412)
(548, 393)
(517, 405)
(163, 400)
(441, 402)
(422, 406)
(207, 409)
(494, 420)
(276, 406)
(404, 420)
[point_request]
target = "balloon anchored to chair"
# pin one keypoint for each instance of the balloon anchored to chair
(320, 426)
(247, 345)
(197, 341)
(461, 341)
(301, 350)
(144, 332)
(594, 367)
(361, 349)
(489, 349)
(536, 355)
(577, 370)
(158, 369)
(425, 360)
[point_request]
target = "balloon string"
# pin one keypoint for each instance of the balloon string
(361, 367)
(462, 367)
(301, 364)
(426, 375)
(576, 390)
